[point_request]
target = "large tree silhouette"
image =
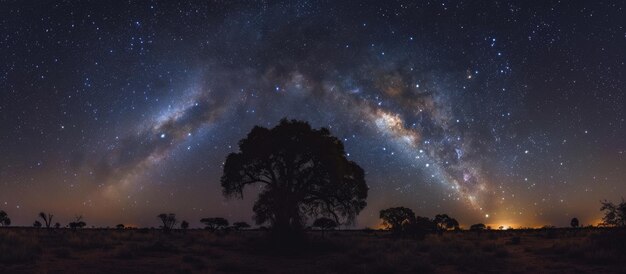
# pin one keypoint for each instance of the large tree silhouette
(304, 173)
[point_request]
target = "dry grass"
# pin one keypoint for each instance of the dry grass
(200, 251)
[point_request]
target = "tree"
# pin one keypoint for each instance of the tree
(445, 222)
(77, 223)
(324, 224)
(47, 218)
(241, 225)
(57, 225)
(169, 221)
(394, 218)
(37, 224)
(574, 222)
(420, 226)
(119, 226)
(184, 225)
(4, 219)
(478, 227)
(304, 173)
(614, 215)
(214, 224)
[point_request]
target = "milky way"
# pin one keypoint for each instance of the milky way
(505, 113)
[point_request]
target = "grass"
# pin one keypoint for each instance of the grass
(200, 251)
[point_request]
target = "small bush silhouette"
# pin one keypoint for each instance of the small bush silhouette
(37, 224)
(119, 226)
(478, 227)
(184, 225)
(574, 223)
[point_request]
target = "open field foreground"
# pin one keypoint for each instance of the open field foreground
(26, 250)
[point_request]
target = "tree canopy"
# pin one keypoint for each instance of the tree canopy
(394, 218)
(614, 214)
(324, 223)
(304, 173)
(214, 223)
(445, 222)
(478, 227)
(169, 221)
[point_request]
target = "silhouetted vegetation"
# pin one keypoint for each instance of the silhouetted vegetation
(304, 173)
(614, 215)
(445, 222)
(396, 218)
(37, 224)
(77, 223)
(241, 225)
(478, 227)
(402, 221)
(184, 225)
(574, 223)
(213, 224)
(47, 218)
(325, 224)
(169, 221)
(597, 250)
(119, 226)
(57, 225)
(4, 218)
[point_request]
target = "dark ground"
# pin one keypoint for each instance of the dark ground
(27, 250)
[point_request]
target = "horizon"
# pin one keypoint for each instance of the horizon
(119, 116)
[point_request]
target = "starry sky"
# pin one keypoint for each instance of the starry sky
(502, 112)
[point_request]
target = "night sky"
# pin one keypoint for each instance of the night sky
(501, 112)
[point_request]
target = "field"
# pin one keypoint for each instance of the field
(28, 250)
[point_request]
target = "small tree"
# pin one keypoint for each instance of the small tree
(574, 223)
(37, 224)
(169, 221)
(57, 225)
(214, 224)
(120, 226)
(77, 223)
(445, 222)
(47, 218)
(4, 219)
(241, 225)
(325, 224)
(614, 215)
(184, 225)
(394, 218)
